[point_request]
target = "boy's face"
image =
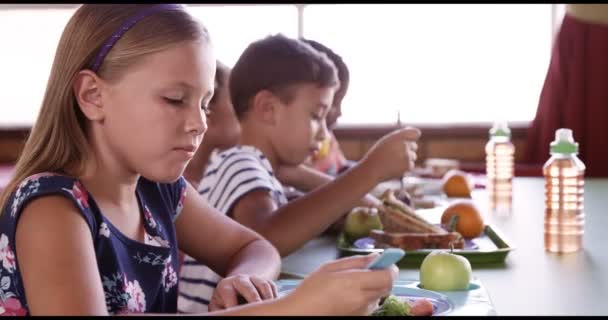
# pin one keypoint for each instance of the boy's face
(301, 123)
(154, 121)
(336, 109)
(224, 127)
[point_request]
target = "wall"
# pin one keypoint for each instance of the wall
(11, 144)
(465, 143)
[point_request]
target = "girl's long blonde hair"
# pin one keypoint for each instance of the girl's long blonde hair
(58, 140)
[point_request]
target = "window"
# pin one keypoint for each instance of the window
(438, 63)
(27, 55)
(29, 38)
(234, 27)
(432, 63)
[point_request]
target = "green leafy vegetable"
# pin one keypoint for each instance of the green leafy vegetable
(392, 307)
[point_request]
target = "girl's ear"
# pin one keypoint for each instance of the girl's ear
(265, 107)
(87, 90)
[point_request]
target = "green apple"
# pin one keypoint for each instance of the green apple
(360, 221)
(444, 271)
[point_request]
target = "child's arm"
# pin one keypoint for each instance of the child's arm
(295, 223)
(229, 249)
(340, 288)
(306, 179)
(60, 273)
(57, 260)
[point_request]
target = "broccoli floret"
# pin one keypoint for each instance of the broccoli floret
(392, 307)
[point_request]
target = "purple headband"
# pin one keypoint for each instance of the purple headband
(125, 27)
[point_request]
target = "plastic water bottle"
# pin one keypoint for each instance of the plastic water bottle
(499, 167)
(564, 190)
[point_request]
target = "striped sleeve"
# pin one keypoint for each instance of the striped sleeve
(234, 176)
(197, 283)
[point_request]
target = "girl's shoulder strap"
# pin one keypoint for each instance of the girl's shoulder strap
(169, 197)
(45, 184)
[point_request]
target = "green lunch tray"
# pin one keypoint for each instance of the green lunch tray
(489, 248)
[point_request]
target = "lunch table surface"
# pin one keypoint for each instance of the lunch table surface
(531, 281)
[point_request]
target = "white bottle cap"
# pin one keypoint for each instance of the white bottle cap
(564, 142)
(564, 135)
(500, 129)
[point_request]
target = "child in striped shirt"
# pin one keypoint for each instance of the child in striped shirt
(282, 89)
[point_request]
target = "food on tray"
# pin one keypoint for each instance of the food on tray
(405, 229)
(403, 195)
(415, 241)
(457, 184)
(445, 271)
(414, 197)
(421, 307)
(360, 221)
(396, 216)
(393, 306)
(470, 223)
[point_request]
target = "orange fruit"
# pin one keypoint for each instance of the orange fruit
(470, 223)
(457, 184)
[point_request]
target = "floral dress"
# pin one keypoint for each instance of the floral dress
(136, 277)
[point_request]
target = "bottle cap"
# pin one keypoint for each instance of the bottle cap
(500, 129)
(564, 142)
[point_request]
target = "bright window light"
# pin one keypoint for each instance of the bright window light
(432, 63)
(234, 27)
(29, 38)
(437, 63)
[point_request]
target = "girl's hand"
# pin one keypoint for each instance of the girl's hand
(342, 287)
(250, 288)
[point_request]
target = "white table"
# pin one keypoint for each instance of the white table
(531, 281)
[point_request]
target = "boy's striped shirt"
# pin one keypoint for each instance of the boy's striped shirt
(230, 175)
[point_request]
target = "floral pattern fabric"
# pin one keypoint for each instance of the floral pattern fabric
(136, 277)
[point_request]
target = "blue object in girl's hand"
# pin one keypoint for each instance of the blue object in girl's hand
(388, 257)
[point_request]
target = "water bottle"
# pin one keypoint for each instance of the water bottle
(499, 167)
(564, 193)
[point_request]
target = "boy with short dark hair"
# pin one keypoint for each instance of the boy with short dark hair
(282, 90)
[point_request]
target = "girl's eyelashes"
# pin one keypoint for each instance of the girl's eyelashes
(179, 102)
(174, 101)
(182, 101)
